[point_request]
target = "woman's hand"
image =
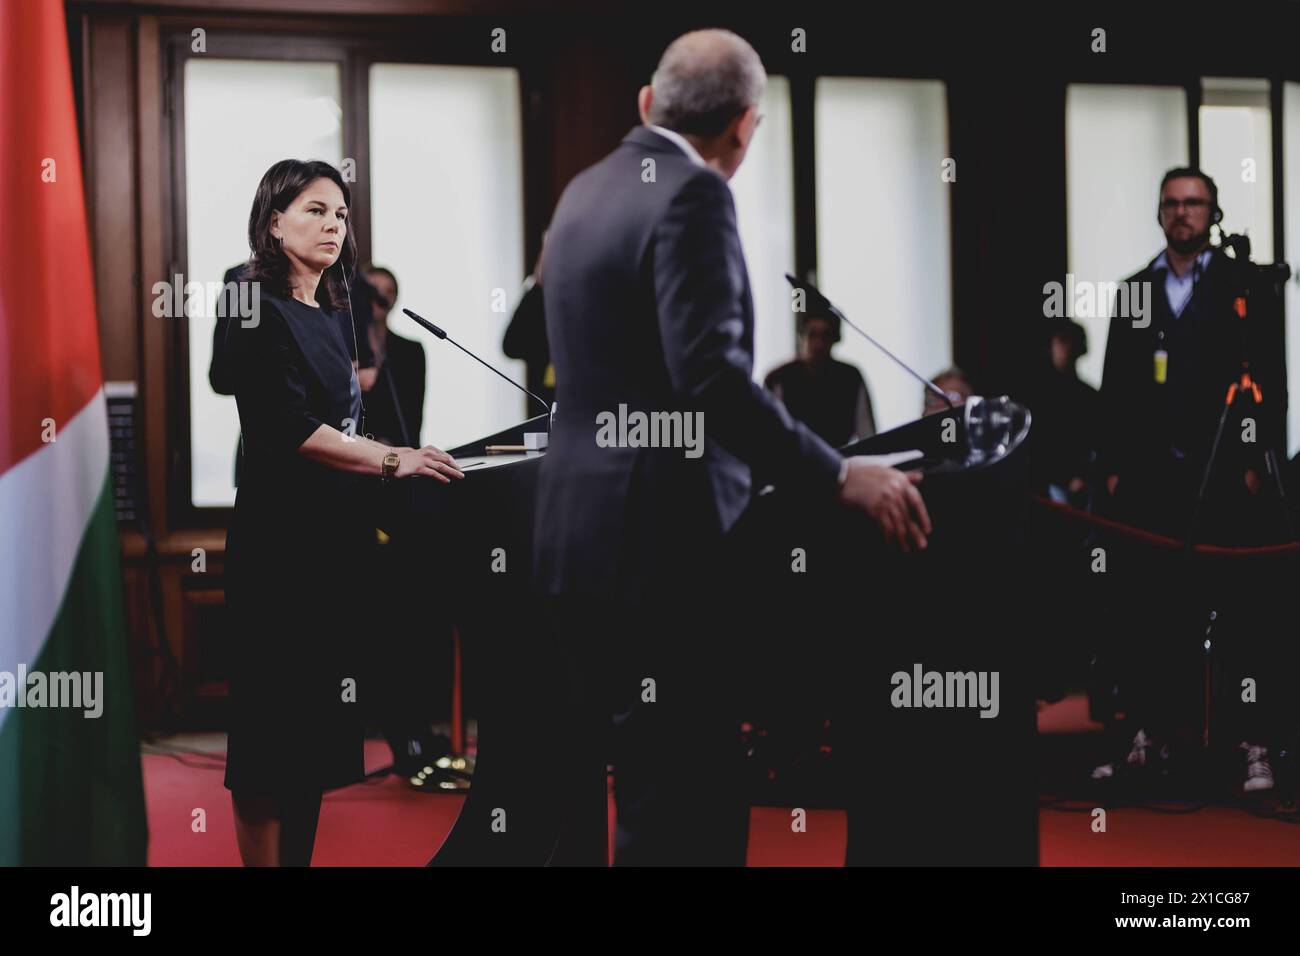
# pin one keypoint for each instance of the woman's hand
(428, 460)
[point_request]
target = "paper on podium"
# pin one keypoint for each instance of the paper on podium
(893, 458)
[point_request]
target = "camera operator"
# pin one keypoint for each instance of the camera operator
(1166, 374)
(1166, 377)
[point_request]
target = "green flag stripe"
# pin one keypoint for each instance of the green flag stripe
(71, 793)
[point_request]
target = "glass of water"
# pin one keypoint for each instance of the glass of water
(988, 427)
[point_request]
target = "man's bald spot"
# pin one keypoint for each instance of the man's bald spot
(704, 51)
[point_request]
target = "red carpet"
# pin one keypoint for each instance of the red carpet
(387, 824)
(398, 826)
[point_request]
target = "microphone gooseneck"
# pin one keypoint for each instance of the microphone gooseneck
(421, 320)
(824, 303)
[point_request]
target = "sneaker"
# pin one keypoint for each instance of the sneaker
(1103, 771)
(1142, 754)
(1146, 753)
(1259, 774)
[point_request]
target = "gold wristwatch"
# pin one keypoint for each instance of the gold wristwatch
(388, 467)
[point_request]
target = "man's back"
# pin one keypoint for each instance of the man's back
(648, 307)
(599, 293)
(650, 321)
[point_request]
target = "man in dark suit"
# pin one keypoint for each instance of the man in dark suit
(415, 678)
(650, 321)
(1167, 373)
(395, 402)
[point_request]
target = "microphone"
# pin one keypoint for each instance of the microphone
(443, 335)
(815, 297)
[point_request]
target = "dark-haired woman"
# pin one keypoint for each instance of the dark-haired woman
(300, 530)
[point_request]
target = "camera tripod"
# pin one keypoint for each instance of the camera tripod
(1244, 390)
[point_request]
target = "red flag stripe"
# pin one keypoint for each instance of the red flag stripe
(49, 342)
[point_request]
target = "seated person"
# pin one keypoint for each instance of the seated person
(952, 381)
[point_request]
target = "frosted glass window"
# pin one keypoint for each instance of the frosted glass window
(883, 230)
(764, 192)
(1291, 205)
(241, 117)
(446, 196)
(1237, 150)
(1119, 141)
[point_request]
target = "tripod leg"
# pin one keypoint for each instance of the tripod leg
(1270, 460)
(1205, 478)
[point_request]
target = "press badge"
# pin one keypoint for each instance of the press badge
(1161, 360)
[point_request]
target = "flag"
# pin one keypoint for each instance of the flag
(70, 785)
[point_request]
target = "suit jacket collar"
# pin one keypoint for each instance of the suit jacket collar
(646, 138)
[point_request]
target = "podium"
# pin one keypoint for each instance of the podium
(478, 534)
(923, 785)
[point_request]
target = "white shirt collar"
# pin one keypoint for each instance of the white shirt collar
(682, 143)
(1162, 262)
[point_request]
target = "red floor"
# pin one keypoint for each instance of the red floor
(387, 824)
(401, 827)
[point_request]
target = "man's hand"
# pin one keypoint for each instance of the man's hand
(1112, 483)
(890, 497)
(366, 377)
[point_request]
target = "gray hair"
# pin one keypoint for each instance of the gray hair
(704, 80)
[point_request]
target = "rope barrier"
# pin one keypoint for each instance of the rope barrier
(1160, 540)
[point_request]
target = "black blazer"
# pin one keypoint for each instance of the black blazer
(1145, 424)
(648, 305)
(397, 397)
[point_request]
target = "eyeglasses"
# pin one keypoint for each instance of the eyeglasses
(1192, 205)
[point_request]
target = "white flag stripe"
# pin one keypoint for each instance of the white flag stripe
(45, 504)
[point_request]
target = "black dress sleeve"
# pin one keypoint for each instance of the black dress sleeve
(220, 375)
(274, 412)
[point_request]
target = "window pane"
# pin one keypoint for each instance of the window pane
(764, 191)
(883, 230)
(1119, 141)
(1237, 150)
(241, 117)
(447, 218)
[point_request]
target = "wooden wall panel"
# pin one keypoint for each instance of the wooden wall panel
(110, 149)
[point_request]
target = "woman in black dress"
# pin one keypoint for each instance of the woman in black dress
(296, 548)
